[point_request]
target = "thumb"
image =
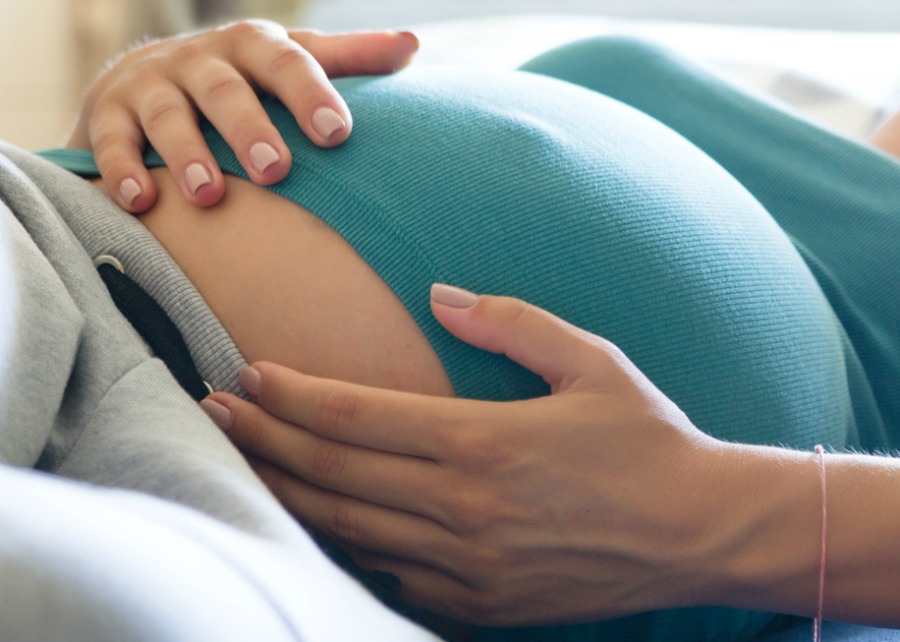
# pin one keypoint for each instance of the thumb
(541, 342)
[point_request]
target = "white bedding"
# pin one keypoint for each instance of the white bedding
(846, 80)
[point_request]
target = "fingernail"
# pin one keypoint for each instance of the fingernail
(196, 177)
(129, 189)
(220, 415)
(250, 380)
(326, 121)
(409, 35)
(451, 296)
(263, 156)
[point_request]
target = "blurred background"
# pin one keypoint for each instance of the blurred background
(51, 49)
(806, 14)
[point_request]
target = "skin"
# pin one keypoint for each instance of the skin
(593, 502)
(259, 247)
(152, 92)
(251, 234)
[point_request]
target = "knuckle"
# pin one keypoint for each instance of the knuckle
(600, 344)
(485, 451)
(305, 36)
(286, 59)
(144, 74)
(607, 352)
(105, 144)
(245, 126)
(328, 461)
(251, 28)
(472, 510)
(113, 159)
(344, 526)
(158, 113)
(516, 310)
(339, 409)
(470, 442)
(247, 428)
(506, 312)
(220, 87)
(509, 307)
(186, 52)
(611, 349)
(104, 102)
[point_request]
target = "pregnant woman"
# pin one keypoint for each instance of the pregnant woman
(738, 255)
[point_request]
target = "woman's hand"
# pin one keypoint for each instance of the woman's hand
(152, 93)
(590, 503)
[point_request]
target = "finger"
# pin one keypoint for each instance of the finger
(118, 144)
(388, 420)
(281, 67)
(359, 54)
(545, 344)
(412, 484)
(357, 524)
(425, 586)
(170, 123)
(232, 106)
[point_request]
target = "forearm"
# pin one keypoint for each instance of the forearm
(599, 501)
(771, 535)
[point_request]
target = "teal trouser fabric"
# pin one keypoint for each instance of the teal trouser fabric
(768, 330)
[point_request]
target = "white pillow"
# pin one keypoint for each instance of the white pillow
(844, 79)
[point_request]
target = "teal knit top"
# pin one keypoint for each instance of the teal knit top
(748, 264)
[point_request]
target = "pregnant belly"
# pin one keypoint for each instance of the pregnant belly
(289, 289)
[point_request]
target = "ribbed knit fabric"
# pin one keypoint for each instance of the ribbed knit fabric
(103, 229)
(837, 199)
(519, 184)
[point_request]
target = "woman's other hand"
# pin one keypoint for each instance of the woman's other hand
(589, 503)
(153, 92)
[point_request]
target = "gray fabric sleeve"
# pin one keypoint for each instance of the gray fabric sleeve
(82, 395)
(152, 526)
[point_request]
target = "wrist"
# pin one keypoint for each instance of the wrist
(764, 551)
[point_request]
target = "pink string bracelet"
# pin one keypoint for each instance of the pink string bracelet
(817, 623)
